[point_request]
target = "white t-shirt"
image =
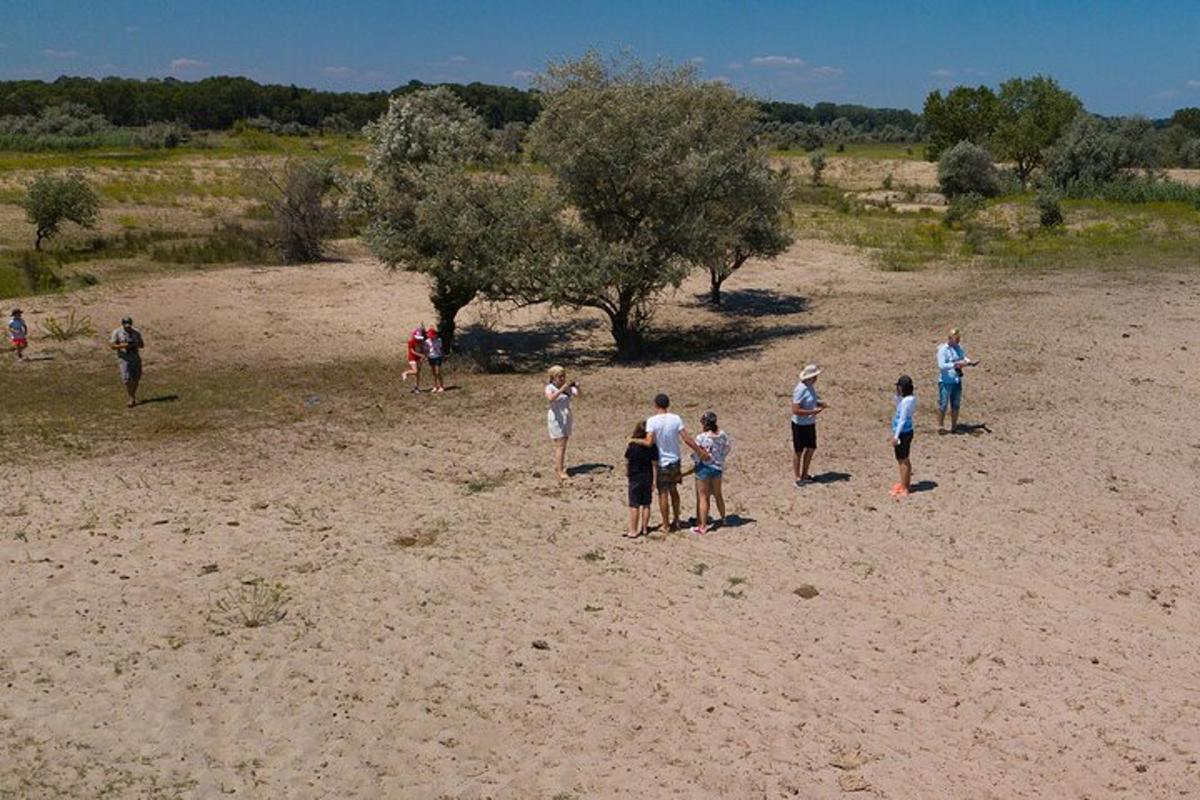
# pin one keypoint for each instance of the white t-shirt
(666, 429)
(806, 397)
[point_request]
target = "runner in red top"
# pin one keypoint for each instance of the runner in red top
(416, 353)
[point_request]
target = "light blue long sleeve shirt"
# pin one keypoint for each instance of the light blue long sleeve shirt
(902, 421)
(947, 354)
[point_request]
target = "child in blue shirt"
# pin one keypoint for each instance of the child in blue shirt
(902, 433)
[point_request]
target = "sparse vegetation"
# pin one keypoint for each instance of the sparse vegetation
(67, 329)
(251, 603)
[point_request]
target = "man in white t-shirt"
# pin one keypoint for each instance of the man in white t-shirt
(666, 430)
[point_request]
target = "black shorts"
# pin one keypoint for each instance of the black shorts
(804, 437)
(903, 448)
(641, 490)
(435, 361)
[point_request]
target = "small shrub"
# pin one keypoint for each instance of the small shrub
(1049, 206)
(887, 181)
(252, 603)
(962, 208)
(967, 168)
(301, 217)
(818, 162)
(64, 330)
(975, 238)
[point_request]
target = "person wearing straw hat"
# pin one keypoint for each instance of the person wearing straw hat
(805, 407)
(951, 359)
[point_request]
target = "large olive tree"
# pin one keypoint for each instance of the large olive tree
(431, 209)
(1033, 113)
(652, 162)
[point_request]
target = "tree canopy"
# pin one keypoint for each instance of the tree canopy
(655, 165)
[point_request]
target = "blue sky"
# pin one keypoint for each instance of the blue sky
(1119, 57)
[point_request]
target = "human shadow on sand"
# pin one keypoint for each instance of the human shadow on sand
(736, 521)
(162, 398)
(922, 486)
(831, 477)
(971, 429)
(588, 469)
(755, 303)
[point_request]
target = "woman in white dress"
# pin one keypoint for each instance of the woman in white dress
(558, 416)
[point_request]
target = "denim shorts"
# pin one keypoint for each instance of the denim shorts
(949, 394)
(706, 471)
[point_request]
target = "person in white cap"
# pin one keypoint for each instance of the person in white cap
(951, 359)
(805, 407)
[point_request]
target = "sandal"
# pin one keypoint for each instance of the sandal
(699, 529)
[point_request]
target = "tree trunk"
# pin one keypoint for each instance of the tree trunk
(715, 279)
(630, 343)
(448, 299)
(37, 244)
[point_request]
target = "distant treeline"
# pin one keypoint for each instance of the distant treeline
(219, 103)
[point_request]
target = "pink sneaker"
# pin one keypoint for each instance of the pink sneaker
(700, 529)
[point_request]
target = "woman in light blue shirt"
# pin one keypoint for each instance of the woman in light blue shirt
(902, 433)
(951, 360)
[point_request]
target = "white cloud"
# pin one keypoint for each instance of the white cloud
(184, 64)
(941, 73)
(340, 72)
(827, 72)
(131, 28)
(1190, 84)
(697, 60)
(777, 61)
(459, 59)
(522, 74)
(736, 65)
(1165, 94)
(50, 51)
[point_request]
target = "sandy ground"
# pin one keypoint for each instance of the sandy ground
(1026, 626)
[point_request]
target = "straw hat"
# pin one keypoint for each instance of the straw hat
(810, 372)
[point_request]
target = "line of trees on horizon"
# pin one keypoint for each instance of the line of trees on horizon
(219, 103)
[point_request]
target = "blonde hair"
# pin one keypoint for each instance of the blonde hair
(556, 371)
(954, 332)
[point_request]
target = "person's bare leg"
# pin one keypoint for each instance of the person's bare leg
(906, 474)
(560, 458)
(702, 497)
(633, 522)
(131, 390)
(953, 419)
(664, 507)
(645, 520)
(720, 498)
(796, 465)
(675, 504)
(808, 454)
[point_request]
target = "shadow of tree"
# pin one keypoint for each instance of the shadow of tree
(705, 344)
(531, 348)
(571, 342)
(756, 303)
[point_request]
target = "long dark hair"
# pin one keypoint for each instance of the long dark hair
(708, 421)
(904, 386)
(639, 430)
